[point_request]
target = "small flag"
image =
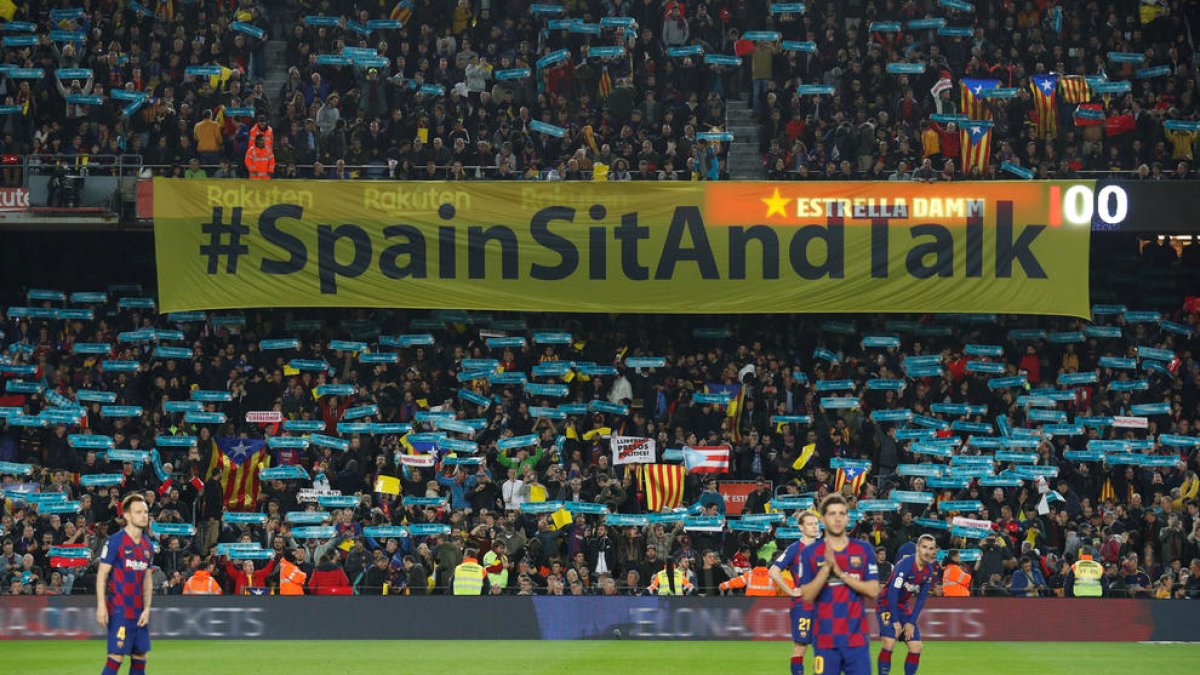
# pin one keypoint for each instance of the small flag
(402, 12)
(855, 476)
(706, 459)
(606, 85)
(806, 454)
(561, 517)
(1075, 89)
(388, 485)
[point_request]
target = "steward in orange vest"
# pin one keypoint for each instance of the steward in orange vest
(291, 578)
(757, 582)
(201, 583)
(260, 160)
(956, 583)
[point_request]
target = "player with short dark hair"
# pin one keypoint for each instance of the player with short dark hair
(897, 610)
(801, 612)
(124, 588)
(837, 573)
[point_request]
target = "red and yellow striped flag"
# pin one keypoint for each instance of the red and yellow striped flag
(605, 84)
(663, 485)
(1075, 89)
(402, 12)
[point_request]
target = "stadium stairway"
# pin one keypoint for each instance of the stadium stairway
(744, 162)
(277, 70)
(282, 21)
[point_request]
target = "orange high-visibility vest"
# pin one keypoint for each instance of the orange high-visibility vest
(260, 162)
(757, 582)
(955, 582)
(291, 579)
(268, 137)
(201, 583)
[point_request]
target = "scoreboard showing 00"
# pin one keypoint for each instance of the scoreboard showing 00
(1159, 207)
(1103, 208)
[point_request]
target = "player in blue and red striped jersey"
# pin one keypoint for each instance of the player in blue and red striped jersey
(801, 612)
(836, 575)
(901, 603)
(124, 587)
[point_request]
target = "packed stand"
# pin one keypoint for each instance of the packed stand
(891, 81)
(421, 422)
(421, 90)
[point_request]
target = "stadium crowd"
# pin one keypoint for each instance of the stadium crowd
(441, 96)
(427, 101)
(1139, 519)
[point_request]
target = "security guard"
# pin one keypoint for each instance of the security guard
(1086, 578)
(956, 582)
(260, 160)
(291, 578)
(757, 581)
(469, 575)
(202, 582)
(670, 581)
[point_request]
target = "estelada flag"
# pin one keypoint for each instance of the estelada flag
(976, 142)
(972, 105)
(854, 475)
(1043, 89)
(241, 458)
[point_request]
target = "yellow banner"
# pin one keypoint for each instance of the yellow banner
(703, 248)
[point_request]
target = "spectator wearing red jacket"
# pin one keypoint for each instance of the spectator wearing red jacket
(247, 576)
(328, 579)
(1031, 365)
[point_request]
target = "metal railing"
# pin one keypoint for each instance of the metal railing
(44, 164)
(304, 171)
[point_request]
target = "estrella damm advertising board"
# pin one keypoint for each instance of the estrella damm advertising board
(702, 248)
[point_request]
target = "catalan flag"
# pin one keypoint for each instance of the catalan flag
(662, 485)
(972, 106)
(605, 84)
(1044, 88)
(854, 476)
(976, 147)
(1075, 89)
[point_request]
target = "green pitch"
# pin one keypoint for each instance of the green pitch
(180, 657)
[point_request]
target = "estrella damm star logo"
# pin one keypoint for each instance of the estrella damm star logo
(776, 203)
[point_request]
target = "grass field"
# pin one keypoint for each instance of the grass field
(585, 658)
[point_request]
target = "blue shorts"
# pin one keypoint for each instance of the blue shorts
(802, 624)
(839, 660)
(126, 637)
(886, 630)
